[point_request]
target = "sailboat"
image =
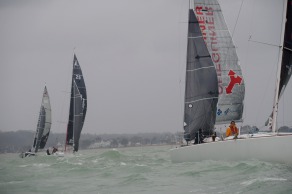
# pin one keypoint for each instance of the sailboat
(43, 126)
(207, 25)
(78, 107)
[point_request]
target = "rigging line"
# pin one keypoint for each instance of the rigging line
(247, 61)
(237, 18)
(263, 42)
(194, 37)
(182, 62)
(228, 48)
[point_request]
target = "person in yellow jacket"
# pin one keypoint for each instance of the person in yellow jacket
(232, 130)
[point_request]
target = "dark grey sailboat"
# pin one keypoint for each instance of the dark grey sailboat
(78, 107)
(43, 127)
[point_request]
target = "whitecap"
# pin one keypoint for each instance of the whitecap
(140, 165)
(78, 163)
(41, 165)
(249, 182)
(123, 164)
(23, 166)
(273, 179)
(11, 182)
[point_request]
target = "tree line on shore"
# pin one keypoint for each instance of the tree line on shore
(20, 141)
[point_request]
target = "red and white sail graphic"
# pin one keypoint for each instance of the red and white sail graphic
(234, 79)
(223, 53)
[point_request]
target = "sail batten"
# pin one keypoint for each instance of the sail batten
(187, 102)
(200, 68)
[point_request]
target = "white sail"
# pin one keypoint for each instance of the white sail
(223, 53)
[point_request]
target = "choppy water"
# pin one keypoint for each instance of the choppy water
(138, 170)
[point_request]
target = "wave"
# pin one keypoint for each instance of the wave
(261, 179)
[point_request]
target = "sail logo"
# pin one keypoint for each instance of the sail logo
(205, 17)
(234, 79)
(226, 112)
(219, 112)
(71, 141)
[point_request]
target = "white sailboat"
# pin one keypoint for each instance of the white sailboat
(206, 23)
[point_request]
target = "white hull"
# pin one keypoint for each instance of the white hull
(268, 148)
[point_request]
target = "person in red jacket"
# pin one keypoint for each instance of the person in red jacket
(232, 130)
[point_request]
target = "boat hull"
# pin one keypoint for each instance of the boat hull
(26, 154)
(269, 149)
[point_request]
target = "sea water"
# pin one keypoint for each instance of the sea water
(138, 170)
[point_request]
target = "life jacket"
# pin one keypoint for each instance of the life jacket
(234, 129)
(231, 131)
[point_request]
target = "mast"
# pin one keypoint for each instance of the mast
(184, 124)
(276, 98)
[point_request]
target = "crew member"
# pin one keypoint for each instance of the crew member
(232, 130)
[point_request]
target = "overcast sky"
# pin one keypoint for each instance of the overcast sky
(132, 54)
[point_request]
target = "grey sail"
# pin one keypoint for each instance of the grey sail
(201, 89)
(44, 123)
(223, 53)
(78, 116)
(40, 129)
(78, 106)
(286, 65)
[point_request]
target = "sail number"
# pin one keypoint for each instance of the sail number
(78, 76)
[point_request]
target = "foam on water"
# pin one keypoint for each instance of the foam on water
(265, 179)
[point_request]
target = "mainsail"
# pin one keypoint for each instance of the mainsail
(44, 123)
(201, 89)
(223, 54)
(286, 64)
(78, 106)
